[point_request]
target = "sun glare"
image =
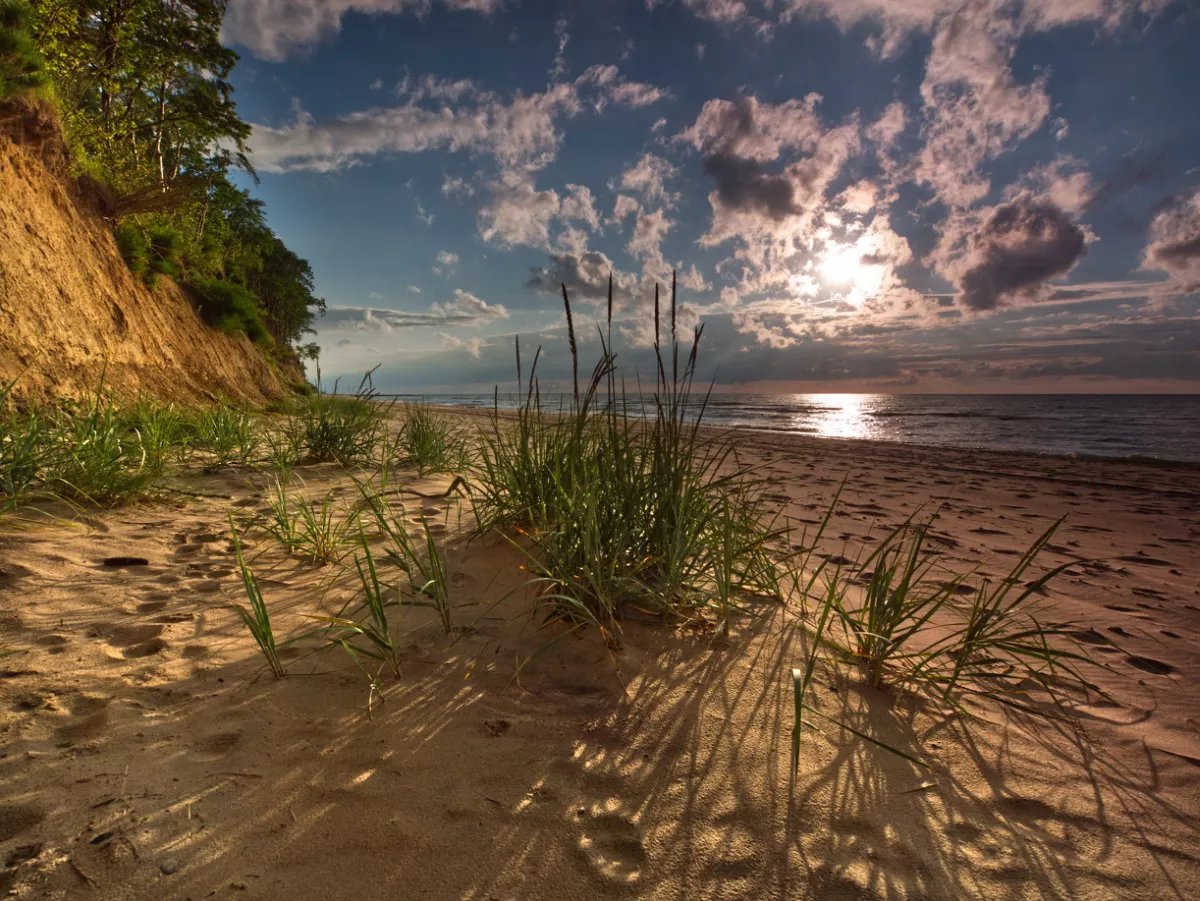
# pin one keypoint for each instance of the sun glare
(840, 264)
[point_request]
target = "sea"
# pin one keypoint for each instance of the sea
(1156, 427)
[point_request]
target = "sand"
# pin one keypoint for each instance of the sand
(146, 753)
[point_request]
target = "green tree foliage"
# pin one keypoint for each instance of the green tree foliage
(22, 69)
(144, 95)
(230, 308)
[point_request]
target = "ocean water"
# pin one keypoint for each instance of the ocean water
(1156, 427)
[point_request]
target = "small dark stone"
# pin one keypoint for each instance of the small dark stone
(125, 561)
(102, 837)
(169, 866)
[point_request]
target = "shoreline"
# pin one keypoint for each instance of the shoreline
(1100, 460)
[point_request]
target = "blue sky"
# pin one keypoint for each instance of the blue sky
(859, 195)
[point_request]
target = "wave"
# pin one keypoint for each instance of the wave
(955, 414)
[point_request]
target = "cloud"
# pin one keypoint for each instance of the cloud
(728, 12)
(752, 130)
(444, 90)
(466, 309)
(646, 243)
(1063, 181)
(624, 207)
(426, 217)
(560, 59)
(890, 124)
(1174, 245)
(517, 213)
(1021, 246)
(753, 200)
(474, 346)
(273, 29)
(648, 178)
(466, 304)
(446, 261)
(585, 275)
(614, 87)
(580, 205)
(447, 115)
(518, 134)
(974, 107)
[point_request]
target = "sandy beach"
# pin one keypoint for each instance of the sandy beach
(145, 751)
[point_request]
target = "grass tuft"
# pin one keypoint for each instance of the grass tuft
(257, 619)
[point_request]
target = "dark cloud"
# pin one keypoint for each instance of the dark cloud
(585, 275)
(743, 184)
(1019, 248)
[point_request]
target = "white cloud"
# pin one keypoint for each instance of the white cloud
(273, 29)
(465, 309)
(519, 134)
(474, 345)
(517, 213)
(1174, 246)
(974, 107)
(466, 304)
(580, 205)
(624, 207)
(446, 261)
(612, 86)
(648, 177)
(560, 58)
(725, 11)
(646, 243)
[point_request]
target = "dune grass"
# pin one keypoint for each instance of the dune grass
(898, 619)
(421, 560)
(342, 429)
(257, 619)
(620, 504)
(227, 436)
(428, 441)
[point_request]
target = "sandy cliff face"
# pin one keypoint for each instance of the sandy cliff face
(70, 309)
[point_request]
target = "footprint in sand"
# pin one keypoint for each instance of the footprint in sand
(54, 644)
(16, 819)
(738, 856)
(151, 606)
(1150, 665)
(218, 744)
(89, 717)
(194, 651)
(133, 641)
(1144, 559)
(611, 843)
(1017, 808)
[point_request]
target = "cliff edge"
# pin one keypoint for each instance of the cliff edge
(72, 312)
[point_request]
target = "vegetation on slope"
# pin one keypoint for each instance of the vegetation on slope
(142, 90)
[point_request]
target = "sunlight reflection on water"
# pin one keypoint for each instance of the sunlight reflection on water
(843, 416)
(1162, 426)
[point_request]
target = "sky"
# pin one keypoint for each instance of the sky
(856, 195)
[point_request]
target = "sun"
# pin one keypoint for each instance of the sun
(841, 264)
